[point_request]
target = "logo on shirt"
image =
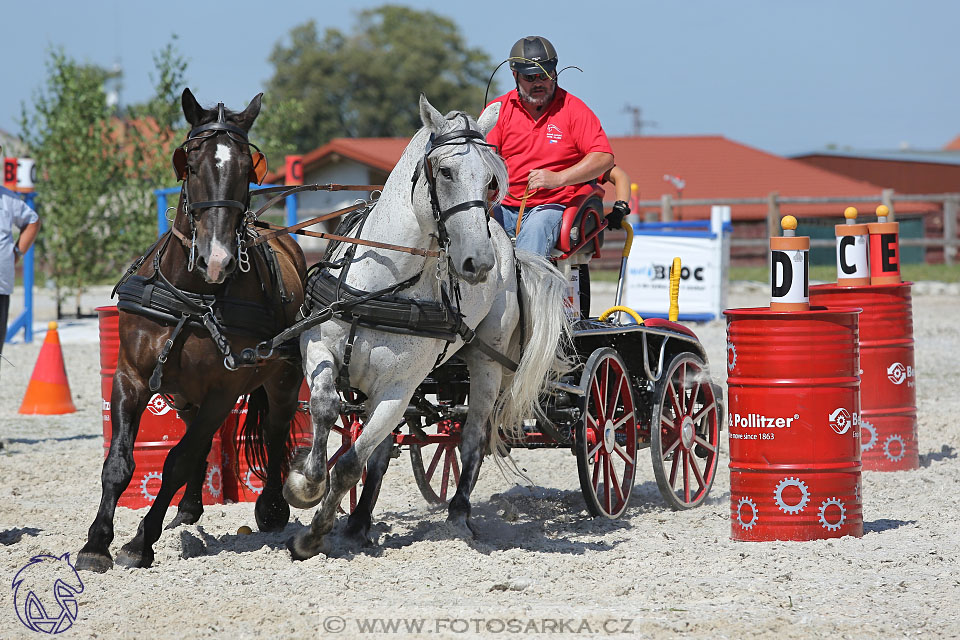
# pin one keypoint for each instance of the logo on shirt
(554, 135)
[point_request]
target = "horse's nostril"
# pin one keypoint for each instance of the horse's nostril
(468, 266)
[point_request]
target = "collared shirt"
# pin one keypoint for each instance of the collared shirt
(557, 140)
(14, 212)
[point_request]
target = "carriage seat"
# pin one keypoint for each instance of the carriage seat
(583, 223)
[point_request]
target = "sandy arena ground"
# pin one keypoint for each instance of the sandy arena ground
(538, 560)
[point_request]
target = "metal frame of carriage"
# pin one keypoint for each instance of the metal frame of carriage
(628, 378)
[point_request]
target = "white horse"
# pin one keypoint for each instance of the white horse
(435, 198)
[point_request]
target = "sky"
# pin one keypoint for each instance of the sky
(784, 77)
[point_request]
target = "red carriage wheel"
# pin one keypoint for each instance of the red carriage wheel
(436, 465)
(685, 447)
(606, 436)
(349, 430)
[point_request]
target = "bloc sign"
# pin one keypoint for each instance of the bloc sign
(789, 277)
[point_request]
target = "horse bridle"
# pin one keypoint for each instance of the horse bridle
(425, 166)
(182, 172)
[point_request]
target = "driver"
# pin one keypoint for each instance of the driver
(552, 143)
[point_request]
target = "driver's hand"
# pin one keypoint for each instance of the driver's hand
(619, 211)
(544, 179)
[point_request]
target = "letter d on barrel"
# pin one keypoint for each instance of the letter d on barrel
(789, 269)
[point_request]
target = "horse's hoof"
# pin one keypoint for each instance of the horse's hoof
(297, 552)
(132, 559)
(183, 517)
(302, 493)
(463, 528)
(91, 561)
(271, 516)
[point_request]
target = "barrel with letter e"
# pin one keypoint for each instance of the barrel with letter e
(884, 249)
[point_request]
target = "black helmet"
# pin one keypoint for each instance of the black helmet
(533, 54)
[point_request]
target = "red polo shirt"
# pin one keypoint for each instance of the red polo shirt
(557, 140)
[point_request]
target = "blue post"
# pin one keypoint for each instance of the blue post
(292, 213)
(25, 319)
(162, 225)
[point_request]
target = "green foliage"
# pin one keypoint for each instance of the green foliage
(367, 83)
(96, 174)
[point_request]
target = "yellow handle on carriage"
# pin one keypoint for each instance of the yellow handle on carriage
(633, 314)
(628, 242)
(674, 290)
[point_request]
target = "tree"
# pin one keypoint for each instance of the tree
(97, 173)
(367, 83)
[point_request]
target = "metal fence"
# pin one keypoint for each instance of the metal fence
(949, 204)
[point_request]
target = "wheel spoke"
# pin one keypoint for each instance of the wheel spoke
(593, 452)
(597, 400)
(596, 472)
(704, 444)
(686, 475)
(617, 393)
(623, 454)
(674, 400)
(619, 423)
(606, 481)
(445, 477)
(697, 473)
(605, 381)
(704, 411)
(675, 464)
(434, 462)
(673, 445)
(615, 482)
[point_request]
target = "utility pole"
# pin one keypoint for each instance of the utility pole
(638, 122)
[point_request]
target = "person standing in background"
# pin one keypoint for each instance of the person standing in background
(14, 213)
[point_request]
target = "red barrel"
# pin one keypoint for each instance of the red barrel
(240, 482)
(888, 392)
(160, 429)
(794, 424)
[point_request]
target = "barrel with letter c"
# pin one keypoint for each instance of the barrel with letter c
(794, 424)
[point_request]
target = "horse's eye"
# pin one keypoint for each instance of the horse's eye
(446, 173)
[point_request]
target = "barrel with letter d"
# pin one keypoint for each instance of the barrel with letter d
(794, 416)
(789, 269)
(888, 394)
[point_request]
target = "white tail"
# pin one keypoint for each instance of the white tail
(547, 330)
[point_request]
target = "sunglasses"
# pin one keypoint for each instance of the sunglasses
(533, 77)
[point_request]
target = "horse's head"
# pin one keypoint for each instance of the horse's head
(217, 166)
(458, 168)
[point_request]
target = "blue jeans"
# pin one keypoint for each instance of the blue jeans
(539, 228)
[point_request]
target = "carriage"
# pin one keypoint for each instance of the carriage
(434, 330)
(641, 385)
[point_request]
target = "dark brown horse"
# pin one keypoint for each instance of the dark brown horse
(195, 301)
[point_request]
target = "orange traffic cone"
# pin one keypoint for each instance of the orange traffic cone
(48, 392)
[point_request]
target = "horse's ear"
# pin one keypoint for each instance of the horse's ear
(246, 117)
(431, 117)
(488, 119)
(192, 110)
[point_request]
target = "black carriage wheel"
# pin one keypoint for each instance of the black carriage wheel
(606, 436)
(436, 469)
(685, 432)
